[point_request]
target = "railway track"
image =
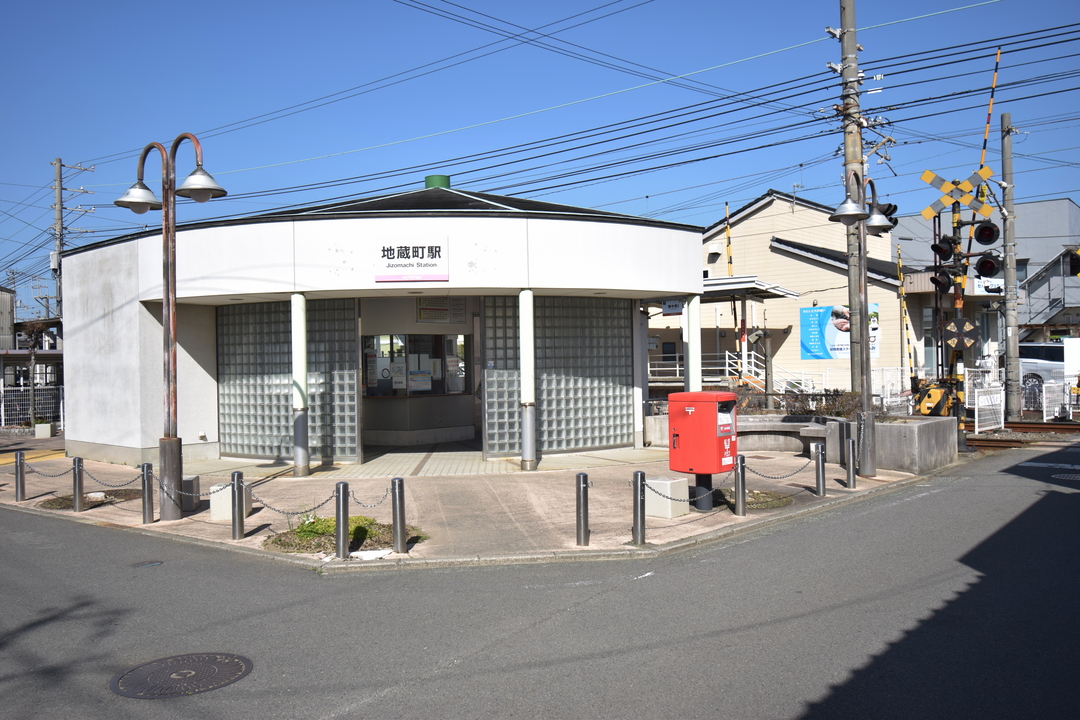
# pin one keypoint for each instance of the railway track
(1043, 427)
(1016, 432)
(977, 442)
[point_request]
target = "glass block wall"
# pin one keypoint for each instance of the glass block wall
(332, 368)
(255, 379)
(502, 376)
(584, 367)
(584, 373)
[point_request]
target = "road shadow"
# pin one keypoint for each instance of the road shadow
(1007, 647)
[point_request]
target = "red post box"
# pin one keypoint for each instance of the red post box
(701, 432)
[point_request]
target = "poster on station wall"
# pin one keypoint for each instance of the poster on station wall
(438, 309)
(825, 332)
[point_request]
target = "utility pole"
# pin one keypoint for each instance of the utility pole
(853, 173)
(58, 227)
(1013, 406)
(855, 190)
(58, 233)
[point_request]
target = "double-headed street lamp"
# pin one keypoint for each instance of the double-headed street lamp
(869, 218)
(200, 187)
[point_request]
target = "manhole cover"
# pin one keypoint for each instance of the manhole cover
(180, 675)
(1066, 477)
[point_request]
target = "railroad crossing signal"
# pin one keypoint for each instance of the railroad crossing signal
(960, 332)
(961, 193)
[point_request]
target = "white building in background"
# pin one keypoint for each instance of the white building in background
(783, 254)
(413, 328)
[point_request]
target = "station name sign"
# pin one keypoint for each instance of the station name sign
(413, 262)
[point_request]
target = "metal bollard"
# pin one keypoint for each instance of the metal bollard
(819, 467)
(20, 478)
(76, 485)
(147, 493)
(341, 530)
(397, 492)
(582, 509)
(852, 462)
(740, 485)
(639, 508)
(238, 505)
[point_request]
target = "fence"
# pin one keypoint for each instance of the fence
(15, 405)
(989, 406)
(1057, 401)
(979, 379)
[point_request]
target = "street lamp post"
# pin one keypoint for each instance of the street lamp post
(200, 187)
(868, 218)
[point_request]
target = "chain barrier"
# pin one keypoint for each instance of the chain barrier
(118, 504)
(268, 506)
(363, 504)
(108, 485)
(781, 477)
(31, 471)
(224, 486)
(688, 500)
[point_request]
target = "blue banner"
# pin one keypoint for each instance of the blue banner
(825, 332)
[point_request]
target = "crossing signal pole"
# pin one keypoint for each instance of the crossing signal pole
(950, 272)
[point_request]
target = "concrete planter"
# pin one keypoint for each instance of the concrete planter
(913, 445)
(44, 430)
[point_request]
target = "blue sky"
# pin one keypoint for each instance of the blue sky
(368, 96)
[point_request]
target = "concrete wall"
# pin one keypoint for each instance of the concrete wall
(114, 374)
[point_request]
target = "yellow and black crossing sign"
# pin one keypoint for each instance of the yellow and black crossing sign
(960, 332)
(961, 193)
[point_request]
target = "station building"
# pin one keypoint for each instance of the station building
(428, 316)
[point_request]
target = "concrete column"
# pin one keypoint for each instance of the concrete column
(301, 453)
(640, 343)
(692, 343)
(744, 346)
(527, 349)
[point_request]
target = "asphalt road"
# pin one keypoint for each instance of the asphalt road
(955, 598)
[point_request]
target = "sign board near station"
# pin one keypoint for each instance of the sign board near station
(416, 261)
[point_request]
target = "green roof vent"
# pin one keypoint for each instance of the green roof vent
(437, 181)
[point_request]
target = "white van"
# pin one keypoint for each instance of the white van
(1042, 362)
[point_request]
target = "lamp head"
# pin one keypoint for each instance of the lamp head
(200, 186)
(138, 199)
(878, 223)
(849, 212)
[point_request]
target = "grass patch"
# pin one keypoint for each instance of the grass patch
(319, 535)
(65, 502)
(758, 499)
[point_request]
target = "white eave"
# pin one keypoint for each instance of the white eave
(744, 286)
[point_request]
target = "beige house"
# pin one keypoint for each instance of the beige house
(780, 266)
